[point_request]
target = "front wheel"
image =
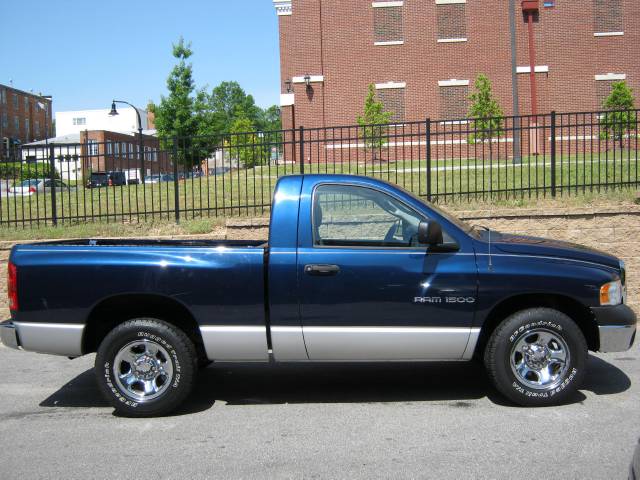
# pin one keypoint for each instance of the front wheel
(146, 367)
(536, 357)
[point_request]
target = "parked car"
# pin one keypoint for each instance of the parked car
(37, 185)
(106, 179)
(158, 178)
(355, 269)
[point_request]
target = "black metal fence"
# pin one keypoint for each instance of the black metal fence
(441, 160)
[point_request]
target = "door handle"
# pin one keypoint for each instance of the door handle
(321, 270)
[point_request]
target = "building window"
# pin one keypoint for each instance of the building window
(26, 127)
(16, 123)
(93, 146)
(603, 89)
(116, 148)
(3, 96)
(452, 20)
(80, 121)
(607, 17)
(5, 120)
(15, 101)
(109, 148)
(454, 98)
(37, 128)
(392, 97)
(26, 104)
(387, 23)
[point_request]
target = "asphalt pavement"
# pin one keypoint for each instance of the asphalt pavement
(317, 421)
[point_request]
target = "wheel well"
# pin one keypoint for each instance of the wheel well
(113, 311)
(570, 307)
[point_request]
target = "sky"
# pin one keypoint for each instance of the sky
(86, 53)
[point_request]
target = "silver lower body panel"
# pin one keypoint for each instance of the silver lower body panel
(53, 338)
(616, 338)
(388, 343)
(230, 343)
(288, 344)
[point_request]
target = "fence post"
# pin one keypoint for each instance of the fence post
(428, 135)
(176, 194)
(301, 141)
(553, 153)
(52, 176)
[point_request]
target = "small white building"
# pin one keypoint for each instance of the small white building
(67, 151)
(71, 122)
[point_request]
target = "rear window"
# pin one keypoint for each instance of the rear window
(98, 177)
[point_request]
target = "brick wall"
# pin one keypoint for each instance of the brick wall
(335, 38)
(33, 122)
(615, 230)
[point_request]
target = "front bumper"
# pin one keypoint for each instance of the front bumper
(616, 327)
(9, 334)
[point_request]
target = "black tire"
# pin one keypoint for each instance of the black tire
(174, 365)
(530, 375)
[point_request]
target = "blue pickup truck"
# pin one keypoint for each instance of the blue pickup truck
(355, 269)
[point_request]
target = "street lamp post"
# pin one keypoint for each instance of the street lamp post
(45, 107)
(113, 113)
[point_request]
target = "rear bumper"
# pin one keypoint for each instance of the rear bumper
(616, 326)
(9, 335)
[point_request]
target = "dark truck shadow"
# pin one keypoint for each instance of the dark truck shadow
(254, 384)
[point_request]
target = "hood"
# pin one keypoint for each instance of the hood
(525, 245)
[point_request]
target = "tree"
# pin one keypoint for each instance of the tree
(373, 122)
(485, 111)
(243, 142)
(228, 102)
(175, 116)
(269, 119)
(619, 120)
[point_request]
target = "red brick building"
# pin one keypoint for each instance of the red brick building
(24, 117)
(423, 56)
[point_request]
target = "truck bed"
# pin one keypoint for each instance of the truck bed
(217, 283)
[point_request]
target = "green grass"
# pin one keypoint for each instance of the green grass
(155, 228)
(247, 192)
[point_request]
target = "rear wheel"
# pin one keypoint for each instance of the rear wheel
(146, 367)
(536, 357)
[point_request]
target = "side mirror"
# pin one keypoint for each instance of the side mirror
(430, 233)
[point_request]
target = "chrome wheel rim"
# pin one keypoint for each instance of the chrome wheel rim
(143, 370)
(539, 359)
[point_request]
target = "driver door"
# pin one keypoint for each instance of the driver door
(369, 291)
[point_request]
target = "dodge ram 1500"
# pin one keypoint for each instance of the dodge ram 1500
(355, 269)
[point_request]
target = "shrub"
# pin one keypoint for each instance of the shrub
(19, 171)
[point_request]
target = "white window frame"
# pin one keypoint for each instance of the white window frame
(453, 82)
(608, 77)
(93, 146)
(608, 34)
(387, 4)
(384, 86)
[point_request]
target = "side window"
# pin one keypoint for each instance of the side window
(345, 215)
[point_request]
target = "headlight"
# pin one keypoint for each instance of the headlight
(611, 293)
